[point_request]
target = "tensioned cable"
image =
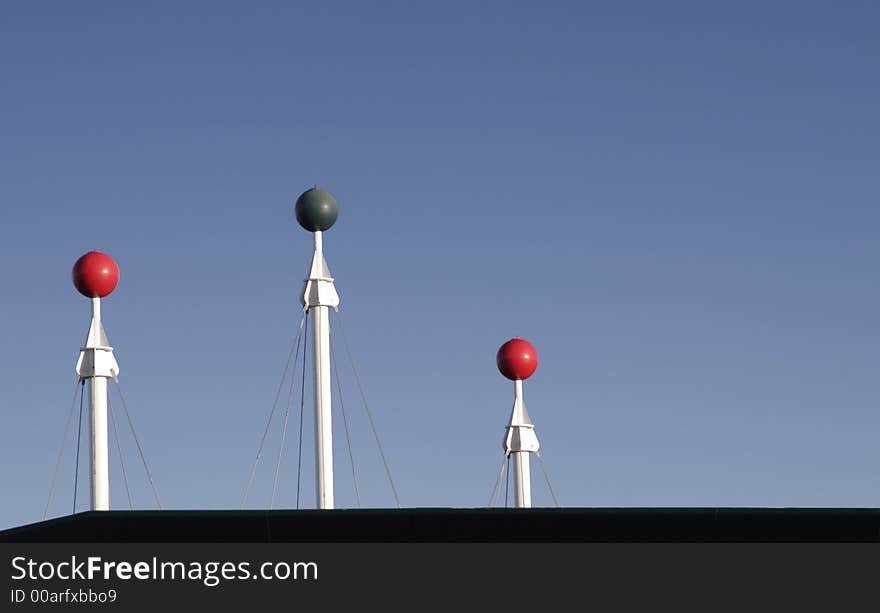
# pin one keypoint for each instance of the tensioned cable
(78, 439)
(547, 478)
(137, 442)
(284, 429)
(497, 481)
(119, 451)
(82, 383)
(283, 439)
(293, 344)
(367, 407)
(79, 383)
(302, 404)
(357, 493)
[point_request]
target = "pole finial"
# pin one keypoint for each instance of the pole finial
(517, 359)
(95, 274)
(316, 210)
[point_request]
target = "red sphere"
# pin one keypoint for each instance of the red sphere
(95, 274)
(517, 359)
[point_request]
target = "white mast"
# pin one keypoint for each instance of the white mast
(95, 275)
(518, 360)
(520, 441)
(316, 211)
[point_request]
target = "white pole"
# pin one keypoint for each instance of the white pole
(519, 442)
(523, 480)
(319, 295)
(323, 404)
(100, 465)
(521, 460)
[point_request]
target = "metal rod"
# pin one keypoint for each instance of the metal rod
(523, 480)
(323, 401)
(523, 493)
(100, 465)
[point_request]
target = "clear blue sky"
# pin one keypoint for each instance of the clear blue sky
(677, 203)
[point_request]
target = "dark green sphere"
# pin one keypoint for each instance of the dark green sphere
(316, 210)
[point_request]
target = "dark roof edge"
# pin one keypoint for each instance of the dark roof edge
(602, 524)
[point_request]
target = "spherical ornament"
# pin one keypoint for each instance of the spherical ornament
(95, 274)
(517, 359)
(316, 210)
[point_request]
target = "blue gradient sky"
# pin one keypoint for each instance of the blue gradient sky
(676, 203)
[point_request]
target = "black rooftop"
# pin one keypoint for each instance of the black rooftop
(461, 525)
